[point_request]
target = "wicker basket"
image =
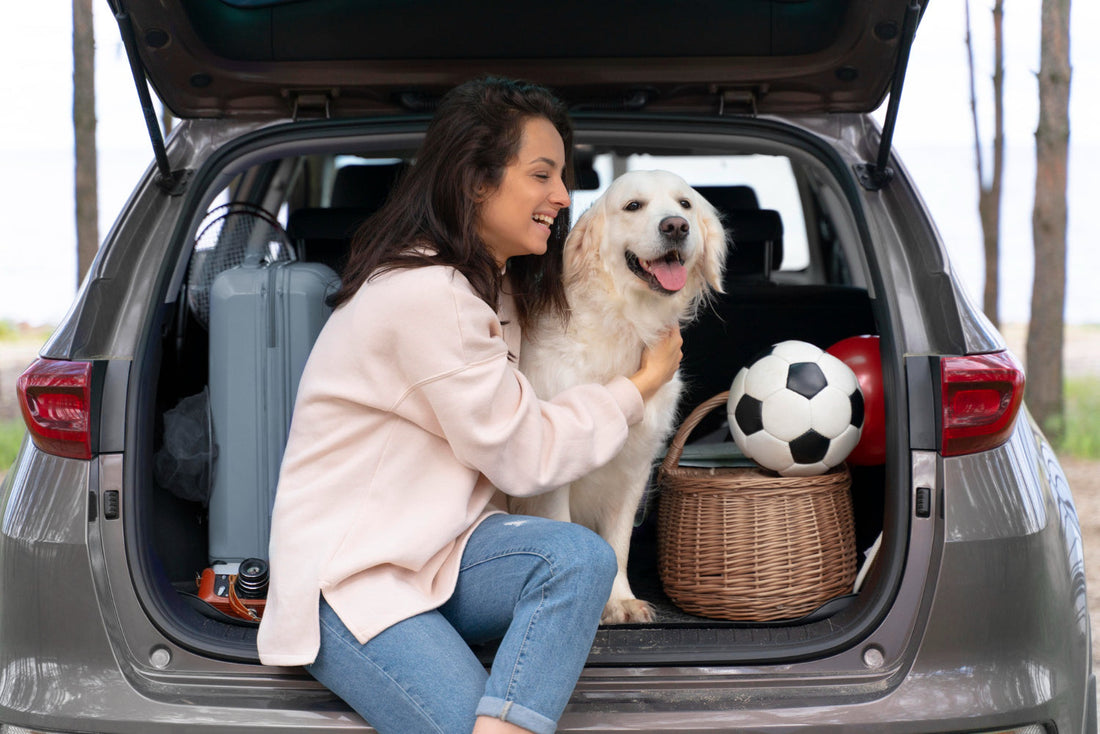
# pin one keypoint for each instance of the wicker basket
(748, 545)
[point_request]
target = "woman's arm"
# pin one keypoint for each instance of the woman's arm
(465, 389)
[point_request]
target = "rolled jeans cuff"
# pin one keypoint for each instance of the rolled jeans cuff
(513, 713)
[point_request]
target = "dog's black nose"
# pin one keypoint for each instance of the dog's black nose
(674, 228)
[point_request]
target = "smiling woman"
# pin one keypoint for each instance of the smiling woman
(516, 217)
(373, 594)
(463, 187)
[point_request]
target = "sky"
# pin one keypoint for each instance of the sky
(934, 139)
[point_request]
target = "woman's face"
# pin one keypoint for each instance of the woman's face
(515, 219)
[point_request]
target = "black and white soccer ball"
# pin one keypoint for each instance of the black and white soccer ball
(796, 410)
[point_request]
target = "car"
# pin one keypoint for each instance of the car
(133, 540)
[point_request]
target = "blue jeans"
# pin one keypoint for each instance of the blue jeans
(537, 585)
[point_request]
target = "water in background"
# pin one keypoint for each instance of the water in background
(948, 184)
(38, 244)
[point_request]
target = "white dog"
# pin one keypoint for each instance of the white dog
(637, 262)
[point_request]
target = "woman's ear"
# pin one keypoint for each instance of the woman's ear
(482, 185)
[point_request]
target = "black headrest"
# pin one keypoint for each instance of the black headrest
(323, 235)
(729, 199)
(585, 177)
(337, 223)
(757, 249)
(364, 185)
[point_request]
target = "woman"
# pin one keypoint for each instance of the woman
(390, 552)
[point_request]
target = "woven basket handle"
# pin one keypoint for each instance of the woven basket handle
(672, 456)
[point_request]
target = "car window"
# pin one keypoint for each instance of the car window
(816, 244)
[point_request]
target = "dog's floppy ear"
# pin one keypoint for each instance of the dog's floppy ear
(581, 243)
(714, 246)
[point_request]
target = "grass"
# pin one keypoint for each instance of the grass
(11, 436)
(1082, 418)
(12, 428)
(11, 331)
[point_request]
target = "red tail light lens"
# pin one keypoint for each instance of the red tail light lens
(981, 397)
(56, 399)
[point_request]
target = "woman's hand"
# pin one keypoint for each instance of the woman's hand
(659, 363)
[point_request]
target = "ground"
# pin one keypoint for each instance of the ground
(1082, 357)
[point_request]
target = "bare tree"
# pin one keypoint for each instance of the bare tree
(1045, 334)
(989, 191)
(84, 123)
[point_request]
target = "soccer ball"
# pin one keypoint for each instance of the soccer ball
(796, 410)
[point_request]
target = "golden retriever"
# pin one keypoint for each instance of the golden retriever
(640, 260)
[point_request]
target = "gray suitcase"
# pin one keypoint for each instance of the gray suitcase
(263, 322)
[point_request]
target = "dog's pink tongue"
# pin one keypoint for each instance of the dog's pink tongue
(672, 275)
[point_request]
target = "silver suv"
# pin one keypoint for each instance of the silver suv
(133, 543)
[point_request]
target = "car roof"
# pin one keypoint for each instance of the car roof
(279, 58)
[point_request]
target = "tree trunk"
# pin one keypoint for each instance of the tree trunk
(989, 194)
(991, 219)
(1048, 222)
(84, 122)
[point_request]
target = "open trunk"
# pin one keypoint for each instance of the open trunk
(798, 270)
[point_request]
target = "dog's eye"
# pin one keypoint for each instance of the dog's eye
(632, 206)
(685, 203)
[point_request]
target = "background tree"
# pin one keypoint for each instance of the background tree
(1045, 333)
(989, 192)
(84, 122)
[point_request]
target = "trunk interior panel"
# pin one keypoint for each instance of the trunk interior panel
(789, 276)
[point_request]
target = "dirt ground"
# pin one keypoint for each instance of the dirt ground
(1082, 357)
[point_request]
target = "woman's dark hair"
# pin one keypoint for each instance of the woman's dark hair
(431, 215)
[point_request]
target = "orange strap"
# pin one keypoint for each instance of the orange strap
(237, 605)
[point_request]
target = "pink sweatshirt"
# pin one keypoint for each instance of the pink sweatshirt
(409, 416)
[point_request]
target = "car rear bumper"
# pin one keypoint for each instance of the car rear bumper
(1001, 638)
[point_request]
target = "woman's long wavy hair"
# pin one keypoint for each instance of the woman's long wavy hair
(431, 214)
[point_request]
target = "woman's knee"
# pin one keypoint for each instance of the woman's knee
(583, 551)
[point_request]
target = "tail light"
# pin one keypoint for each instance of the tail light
(56, 399)
(981, 397)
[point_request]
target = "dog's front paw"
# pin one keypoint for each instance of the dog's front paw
(628, 611)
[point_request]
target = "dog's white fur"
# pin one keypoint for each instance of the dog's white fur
(613, 313)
